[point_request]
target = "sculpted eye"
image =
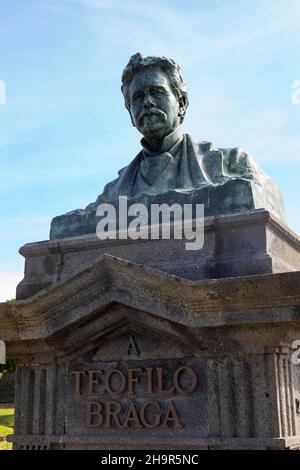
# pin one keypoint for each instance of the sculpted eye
(137, 96)
(159, 91)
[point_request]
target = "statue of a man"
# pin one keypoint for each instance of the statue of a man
(171, 165)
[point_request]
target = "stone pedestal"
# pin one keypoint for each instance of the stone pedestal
(118, 355)
(121, 356)
(238, 244)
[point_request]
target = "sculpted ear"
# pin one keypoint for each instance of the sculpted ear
(182, 106)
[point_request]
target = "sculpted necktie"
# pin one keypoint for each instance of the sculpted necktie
(152, 167)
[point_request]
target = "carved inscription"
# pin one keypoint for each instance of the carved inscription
(133, 349)
(105, 390)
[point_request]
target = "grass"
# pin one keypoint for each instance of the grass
(6, 426)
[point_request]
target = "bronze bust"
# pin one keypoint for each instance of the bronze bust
(171, 167)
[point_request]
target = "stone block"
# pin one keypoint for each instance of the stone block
(234, 245)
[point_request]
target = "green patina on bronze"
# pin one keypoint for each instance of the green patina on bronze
(171, 167)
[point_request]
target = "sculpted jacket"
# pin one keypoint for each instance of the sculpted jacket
(183, 167)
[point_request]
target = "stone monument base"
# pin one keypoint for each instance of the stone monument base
(164, 348)
(122, 356)
(238, 244)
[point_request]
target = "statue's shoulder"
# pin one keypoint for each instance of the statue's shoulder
(122, 183)
(111, 184)
(236, 160)
(240, 161)
(112, 187)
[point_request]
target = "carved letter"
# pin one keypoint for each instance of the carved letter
(172, 417)
(157, 417)
(192, 385)
(149, 389)
(132, 416)
(112, 415)
(78, 382)
(94, 379)
(132, 379)
(160, 385)
(94, 409)
(122, 385)
(132, 347)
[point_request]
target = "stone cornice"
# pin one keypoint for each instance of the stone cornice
(9, 330)
(196, 304)
(259, 216)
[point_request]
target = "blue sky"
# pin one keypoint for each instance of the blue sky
(65, 131)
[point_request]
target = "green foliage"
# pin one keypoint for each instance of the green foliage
(10, 363)
(7, 417)
(5, 445)
(10, 366)
(6, 426)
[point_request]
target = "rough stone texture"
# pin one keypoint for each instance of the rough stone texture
(236, 333)
(228, 314)
(234, 245)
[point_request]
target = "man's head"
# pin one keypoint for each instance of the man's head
(155, 95)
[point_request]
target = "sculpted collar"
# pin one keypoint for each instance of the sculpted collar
(170, 144)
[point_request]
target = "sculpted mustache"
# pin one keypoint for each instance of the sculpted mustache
(156, 112)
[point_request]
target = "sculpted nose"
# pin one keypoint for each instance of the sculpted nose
(148, 101)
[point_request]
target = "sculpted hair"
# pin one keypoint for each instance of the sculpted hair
(138, 63)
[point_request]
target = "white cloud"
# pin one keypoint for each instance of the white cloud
(199, 32)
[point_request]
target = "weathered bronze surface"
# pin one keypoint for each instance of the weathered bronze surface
(171, 167)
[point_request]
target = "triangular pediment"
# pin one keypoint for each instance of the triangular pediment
(122, 333)
(95, 288)
(138, 344)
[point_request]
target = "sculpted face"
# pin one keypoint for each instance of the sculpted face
(154, 109)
